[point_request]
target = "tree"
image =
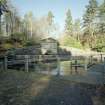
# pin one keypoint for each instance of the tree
(100, 38)
(34, 28)
(90, 13)
(88, 21)
(30, 20)
(50, 22)
(68, 23)
(11, 20)
(70, 41)
(50, 18)
(25, 26)
(77, 29)
(101, 17)
(28, 24)
(15, 21)
(3, 8)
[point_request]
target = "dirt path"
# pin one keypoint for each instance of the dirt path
(61, 93)
(20, 88)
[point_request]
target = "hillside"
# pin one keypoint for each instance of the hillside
(80, 52)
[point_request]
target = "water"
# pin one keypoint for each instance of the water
(63, 69)
(54, 68)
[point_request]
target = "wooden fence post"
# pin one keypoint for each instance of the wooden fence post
(26, 63)
(85, 66)
(48, 68)
(76, 64)
(70, 64)
(5, 63)
(91, 57)
(58, 64)
(35, 60)
(40, 58)
(101, 57)
(104, 72)
(104, 59)
(1, 66)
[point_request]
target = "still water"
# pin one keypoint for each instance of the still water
(55, 68)
(94, 74)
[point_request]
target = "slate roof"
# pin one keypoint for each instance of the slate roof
(49, 40)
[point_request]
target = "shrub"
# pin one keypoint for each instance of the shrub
(30, 42)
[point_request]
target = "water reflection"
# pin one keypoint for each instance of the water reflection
(58, 68)
(63, 69)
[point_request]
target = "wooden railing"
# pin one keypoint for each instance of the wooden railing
(26, 59)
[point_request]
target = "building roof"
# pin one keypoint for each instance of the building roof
(49, 40)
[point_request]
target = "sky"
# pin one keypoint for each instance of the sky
(58, 7)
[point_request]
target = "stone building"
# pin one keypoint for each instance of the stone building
(49, 46)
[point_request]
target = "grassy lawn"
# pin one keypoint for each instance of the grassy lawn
(21, 88)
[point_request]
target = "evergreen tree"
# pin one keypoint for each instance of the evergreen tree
(28, 24)
(90, 13)
(50, 21)
(76, 29)
(68, 23)
(101, 16)
(50, 18)
(88, 21)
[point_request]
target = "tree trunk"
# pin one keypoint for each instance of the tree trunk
(0, 25)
